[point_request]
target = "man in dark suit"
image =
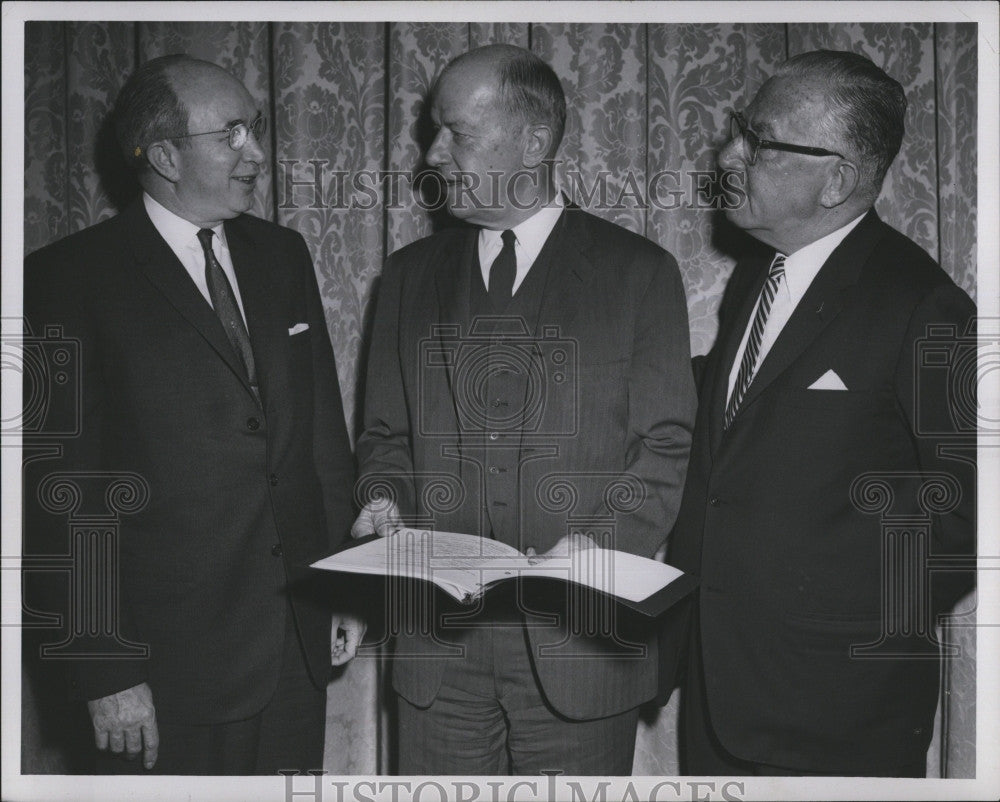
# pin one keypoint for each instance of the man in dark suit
(812, 648)
(528, 381)
(207, 379)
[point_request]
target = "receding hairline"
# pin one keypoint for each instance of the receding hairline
(520, 81)
(182, 71)
(491, 56)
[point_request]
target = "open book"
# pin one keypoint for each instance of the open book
(466, 566)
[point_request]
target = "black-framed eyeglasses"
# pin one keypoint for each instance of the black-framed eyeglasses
(238, 132)
(753, 144)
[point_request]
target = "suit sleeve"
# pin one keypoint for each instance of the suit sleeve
(385, 454)
(52, 299)
(661, 410)
(938, 398)
(331, 445)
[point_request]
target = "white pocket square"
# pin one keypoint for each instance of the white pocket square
(298, 328)
(828, 381)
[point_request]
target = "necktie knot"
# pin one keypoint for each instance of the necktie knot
(777, 266)
(508, 238)
(205, 238)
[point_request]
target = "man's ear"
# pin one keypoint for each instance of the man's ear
(537, 141)
(841, 184)
(162, 157)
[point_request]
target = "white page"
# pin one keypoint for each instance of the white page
(467, 563)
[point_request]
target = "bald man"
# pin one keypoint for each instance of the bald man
(207, 371)
(570, 381)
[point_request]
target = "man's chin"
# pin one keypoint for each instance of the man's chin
(737, 216)
(244, 205)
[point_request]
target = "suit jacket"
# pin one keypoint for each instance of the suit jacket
(242, 494)
(792, 554)
(613, 302)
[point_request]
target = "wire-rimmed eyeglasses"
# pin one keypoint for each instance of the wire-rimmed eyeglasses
(238, 132)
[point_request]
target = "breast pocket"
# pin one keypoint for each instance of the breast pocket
(832, 431)
(831, 401)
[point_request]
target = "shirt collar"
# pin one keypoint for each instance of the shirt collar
(531, 233)
(802, 266)
(178, 232)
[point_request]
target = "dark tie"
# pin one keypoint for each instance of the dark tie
(224, 302)
(503, 270)
(752, 351)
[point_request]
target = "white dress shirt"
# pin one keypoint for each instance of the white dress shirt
(182, 237)
(530, 237)
(801, 268)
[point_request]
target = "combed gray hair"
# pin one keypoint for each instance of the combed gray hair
(148, 109)
(529, 89)
(866, 105)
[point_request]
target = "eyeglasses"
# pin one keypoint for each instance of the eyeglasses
(238, 132)
(753, 144)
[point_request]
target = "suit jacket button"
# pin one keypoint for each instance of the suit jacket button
(714, 501)
(276, 549)
(493, 435)
(253, 424)
(273, 479)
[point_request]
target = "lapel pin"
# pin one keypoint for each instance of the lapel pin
(819, 309)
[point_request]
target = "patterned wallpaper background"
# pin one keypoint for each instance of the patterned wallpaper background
(346, 100)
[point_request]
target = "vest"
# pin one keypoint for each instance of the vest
(505, 388)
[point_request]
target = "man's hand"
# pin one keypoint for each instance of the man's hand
(345, 638)
(380, 516)
(126, 722)
(564, 547)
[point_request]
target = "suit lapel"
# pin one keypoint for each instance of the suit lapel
(568, 247)
(160, 265)
(453, 277)
(820, 305)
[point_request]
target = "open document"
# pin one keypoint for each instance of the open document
(466, 566)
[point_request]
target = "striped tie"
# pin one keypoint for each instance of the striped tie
(752, 351)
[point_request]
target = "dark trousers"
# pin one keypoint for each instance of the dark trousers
(286, 734)
(490, 718)
(702, 754)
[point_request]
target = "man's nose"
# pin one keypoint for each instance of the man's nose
(437, 153)
(252, 149)
(731, 155)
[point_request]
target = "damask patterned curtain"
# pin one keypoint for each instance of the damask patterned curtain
(347, 101)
